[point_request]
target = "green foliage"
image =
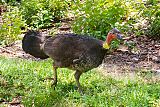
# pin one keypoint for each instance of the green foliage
(11, 25)
(115, 44)
(152, 14)
(105, 15)
(97, 17)
(92, 17)
(10, 2)
(42, 13)
(26, 79)
(154, 29)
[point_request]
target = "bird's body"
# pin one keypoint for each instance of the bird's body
(77, 52)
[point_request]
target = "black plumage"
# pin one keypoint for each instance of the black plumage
(32, 44)
(76, 52)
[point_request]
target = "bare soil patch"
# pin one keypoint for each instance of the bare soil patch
(145, 57)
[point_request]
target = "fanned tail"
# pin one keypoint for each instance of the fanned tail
(32, 43)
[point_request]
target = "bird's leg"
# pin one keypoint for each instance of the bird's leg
(77, 76)
(54, 76)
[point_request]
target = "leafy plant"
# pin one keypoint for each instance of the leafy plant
(106, 14)
(42, 13)
(152, 14)
(11, 25)
(154, 29)
(10, 2)
(100, 20)
(115, 44)
(127, 15)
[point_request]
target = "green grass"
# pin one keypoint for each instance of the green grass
(20, 77)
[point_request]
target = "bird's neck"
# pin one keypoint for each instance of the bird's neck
(106, 43)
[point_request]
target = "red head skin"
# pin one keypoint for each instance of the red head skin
(110, 37)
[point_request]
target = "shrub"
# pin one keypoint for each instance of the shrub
(11, 26)
(10, 2)
(152, 14)
(97, 17)
(154, 29)
(41, 13)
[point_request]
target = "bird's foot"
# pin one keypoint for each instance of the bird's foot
(54, 82)
(79, 90)
(49, 78)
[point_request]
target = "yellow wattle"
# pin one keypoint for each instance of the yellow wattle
(105, 45)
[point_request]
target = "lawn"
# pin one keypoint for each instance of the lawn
(26, 79)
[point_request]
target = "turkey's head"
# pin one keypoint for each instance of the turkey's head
(112, 35)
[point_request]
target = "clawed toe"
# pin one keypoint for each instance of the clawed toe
(80, 91)
(54, 81)
(49, 78)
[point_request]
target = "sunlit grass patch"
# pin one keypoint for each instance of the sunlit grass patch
(25, 78)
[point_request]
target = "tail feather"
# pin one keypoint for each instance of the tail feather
(32, 43)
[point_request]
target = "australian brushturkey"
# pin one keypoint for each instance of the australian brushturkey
(77, 52)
